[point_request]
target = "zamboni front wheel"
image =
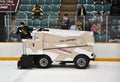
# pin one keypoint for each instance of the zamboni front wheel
(81, 62)
(43, 62)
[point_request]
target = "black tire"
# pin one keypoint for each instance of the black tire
(43, 61)
(19, 66)
(81, 62)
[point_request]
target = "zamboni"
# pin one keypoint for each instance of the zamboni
(55, 45)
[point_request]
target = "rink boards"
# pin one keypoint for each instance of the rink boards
(103, 51)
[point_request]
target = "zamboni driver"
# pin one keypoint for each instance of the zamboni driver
(24, 31)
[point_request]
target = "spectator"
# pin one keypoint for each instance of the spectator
(65, 22)
(106, 1)
(104, 13)
(24, 31)
(87, 25)
(98, 18)
(37, 12)
(116, 3)
(103, 29)
(114, 10)
(73, 26)
(102, 1)
(13, 37)
(81, 11)
(96, 28)
(79, 24)
(97, 1)
(104, 17)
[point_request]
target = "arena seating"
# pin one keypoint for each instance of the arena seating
(98, 8)
(89, 8)
(90, 1)
(57, 2)
(51, 9)
(81, 1)
(92, 8)
(106, 7)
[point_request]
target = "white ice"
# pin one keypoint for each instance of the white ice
(96, 72)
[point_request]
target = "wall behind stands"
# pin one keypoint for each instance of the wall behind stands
(102, 50)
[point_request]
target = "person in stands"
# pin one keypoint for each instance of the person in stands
(106, 1)
(81, 11)
(102, 1)
(13, 36)
(97, 1)
(79, 24)
(115, 34)
(24, 31)
(104, 17)
(37, 12)
(65, 22)
(96, 28)
(74, 26)
(114, 10)
(98, 18)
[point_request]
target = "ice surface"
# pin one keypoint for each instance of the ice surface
(96, 72)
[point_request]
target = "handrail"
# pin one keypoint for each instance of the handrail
(109, 24)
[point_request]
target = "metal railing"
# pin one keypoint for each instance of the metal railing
(109, 30)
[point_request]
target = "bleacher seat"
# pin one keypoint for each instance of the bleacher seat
(23, 8)
(106, 7)
(29, 15)
(90, 8)
(21, 15)
(103, 38)
(47, 8)
(30, 23)
(81, 1)
(17, 22)
(48, 2)
(25, 1)
(52, 23)
(98, 8)
(100, 38)
(30, 7)
(36, 22)
(45, 15)
(44, 23)
(33, 2)
(50, 8)
(41, 2)
(55, 8)
(90, 1)
(53, 15)
(56, 2)
(115, 22)
(89, 14)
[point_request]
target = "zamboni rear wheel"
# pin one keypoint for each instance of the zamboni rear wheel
(81, 62)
